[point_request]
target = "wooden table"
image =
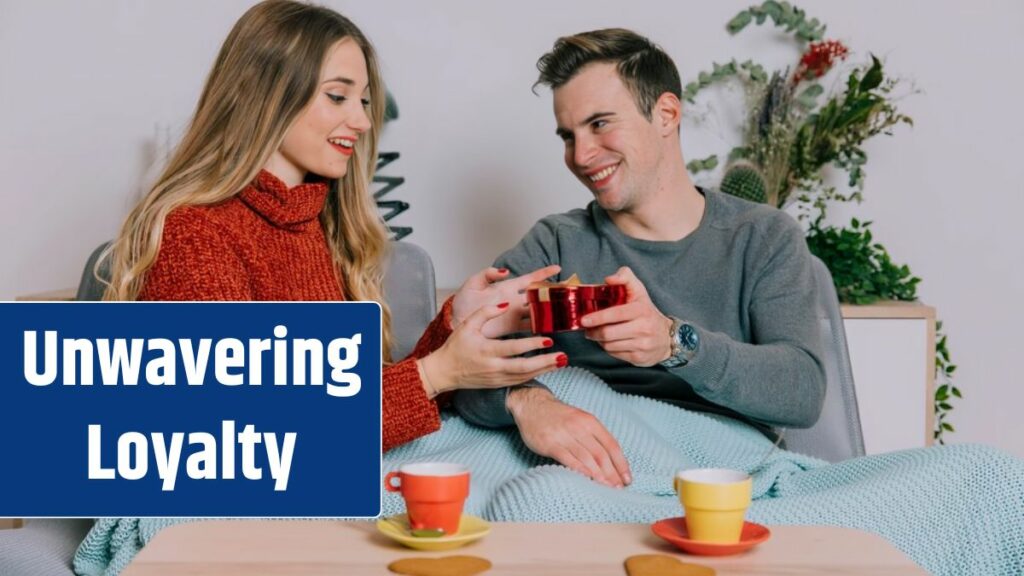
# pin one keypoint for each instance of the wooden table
(263, 547)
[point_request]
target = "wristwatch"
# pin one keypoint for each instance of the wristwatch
(685, 341)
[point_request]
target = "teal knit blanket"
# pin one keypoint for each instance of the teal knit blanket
(953, 510)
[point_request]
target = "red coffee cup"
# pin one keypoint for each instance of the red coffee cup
(434, 494)
(559, 308)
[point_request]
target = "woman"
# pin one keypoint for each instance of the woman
(267, 198)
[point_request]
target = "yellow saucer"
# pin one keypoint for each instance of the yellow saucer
(397, 528)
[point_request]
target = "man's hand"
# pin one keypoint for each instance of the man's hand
(572, 437)
(636, 332)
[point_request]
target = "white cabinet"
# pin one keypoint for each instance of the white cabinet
(892, 350)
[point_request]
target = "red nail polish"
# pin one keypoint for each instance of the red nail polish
(503, 305)
(502, 270)
(562, 361)
(548, 342)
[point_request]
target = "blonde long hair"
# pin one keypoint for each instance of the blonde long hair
(267, 72)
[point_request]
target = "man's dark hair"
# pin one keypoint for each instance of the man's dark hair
(645, 69)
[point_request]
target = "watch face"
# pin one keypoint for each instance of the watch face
(688, 337)
(684, 344)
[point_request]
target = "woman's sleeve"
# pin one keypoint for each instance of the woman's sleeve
(408, 412)
(437, 332)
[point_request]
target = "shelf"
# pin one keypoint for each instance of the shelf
(888, 309)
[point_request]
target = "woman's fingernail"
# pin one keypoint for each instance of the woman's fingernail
(562, 361)
(503, 305)
(502, 270)
(628, 479)
(548, 342)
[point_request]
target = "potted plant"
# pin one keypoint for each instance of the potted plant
(799, 135)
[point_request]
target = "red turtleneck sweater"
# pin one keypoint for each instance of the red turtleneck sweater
(266, 243)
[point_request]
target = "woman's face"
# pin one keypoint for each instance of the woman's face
(322, 139)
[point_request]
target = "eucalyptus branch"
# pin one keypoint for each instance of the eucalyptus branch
(783, 15)
(702, 165)
(748, 71)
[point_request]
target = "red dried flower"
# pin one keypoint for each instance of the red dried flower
(819, 59)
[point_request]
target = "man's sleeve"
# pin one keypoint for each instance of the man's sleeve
(537, 249)
(779, 378)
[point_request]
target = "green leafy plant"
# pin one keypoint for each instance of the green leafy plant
(946, 390)
(861, 268)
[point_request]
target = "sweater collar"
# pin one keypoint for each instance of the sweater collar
(607, 226)
(283, 206)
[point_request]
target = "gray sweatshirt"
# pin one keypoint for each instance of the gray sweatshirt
(743, 279)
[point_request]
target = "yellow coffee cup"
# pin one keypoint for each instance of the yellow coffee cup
(716, 501)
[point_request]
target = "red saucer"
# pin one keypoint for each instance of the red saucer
(674, 531)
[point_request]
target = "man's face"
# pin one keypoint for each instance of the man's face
(609, 145)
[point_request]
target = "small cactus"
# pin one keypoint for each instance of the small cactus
(744, 180)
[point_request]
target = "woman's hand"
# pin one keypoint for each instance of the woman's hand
(470, 359)
(491, 286)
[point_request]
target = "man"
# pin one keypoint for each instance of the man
(720, 315)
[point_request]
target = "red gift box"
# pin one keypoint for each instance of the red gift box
(559, 308)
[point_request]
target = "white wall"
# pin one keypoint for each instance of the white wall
(90, 91)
